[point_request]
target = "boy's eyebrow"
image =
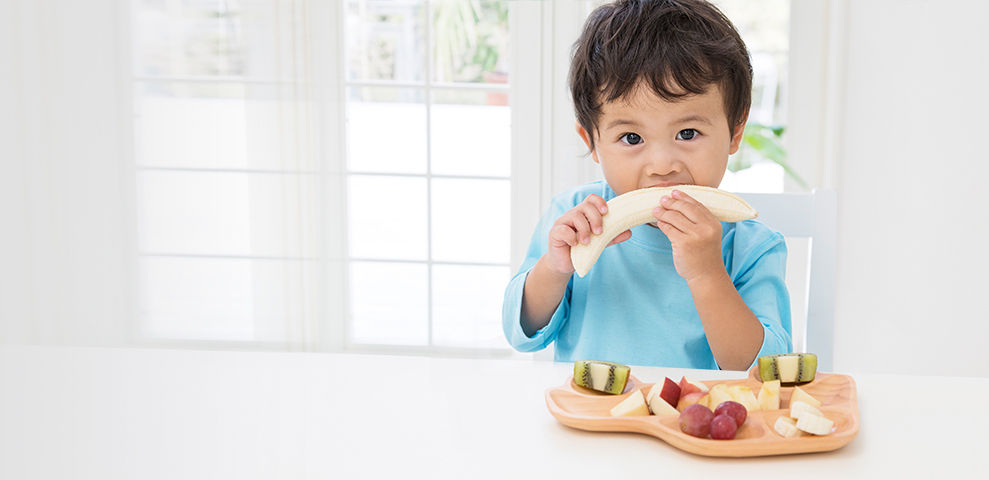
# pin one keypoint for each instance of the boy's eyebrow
(619, 122)
(692, 118)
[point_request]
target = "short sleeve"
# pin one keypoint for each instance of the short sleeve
(512, 305)
(759, 276)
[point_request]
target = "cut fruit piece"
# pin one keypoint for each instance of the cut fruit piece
(789, 368)
(786, 427)
(719, 393)
(670, 392)
(800, 395)
(799, 409)
(607, 377)
(634, 208)
(660, 407)
(815, 424)
(688, 386)
(744, 395)
(769, 395)
(692, 398)
(633, 405)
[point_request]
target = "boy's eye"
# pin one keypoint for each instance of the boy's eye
(687, 134)
(631, 138)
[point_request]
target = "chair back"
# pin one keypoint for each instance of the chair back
(812, 216)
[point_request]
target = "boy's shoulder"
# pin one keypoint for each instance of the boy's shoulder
(751, 236)
(568, 199)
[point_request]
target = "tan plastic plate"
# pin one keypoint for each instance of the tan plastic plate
(586, 409)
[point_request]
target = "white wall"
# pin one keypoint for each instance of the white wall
(911, 171)
(62, 225)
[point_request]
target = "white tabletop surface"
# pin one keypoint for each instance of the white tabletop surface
(108, 413)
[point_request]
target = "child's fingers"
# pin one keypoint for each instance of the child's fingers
(581, 226)
(675, 218)
(565, 234)
(674, 234)
(592, 214)
(691, 208)
(600, 203)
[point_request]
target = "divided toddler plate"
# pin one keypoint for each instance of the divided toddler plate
(586, 409)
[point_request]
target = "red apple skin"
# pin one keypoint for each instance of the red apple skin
(690, 399)
(670, 392)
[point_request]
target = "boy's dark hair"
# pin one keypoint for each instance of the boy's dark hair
(676, 47)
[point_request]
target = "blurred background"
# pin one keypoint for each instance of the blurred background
(364, 175)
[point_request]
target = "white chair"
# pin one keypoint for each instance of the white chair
(813, 216)
(812, 283)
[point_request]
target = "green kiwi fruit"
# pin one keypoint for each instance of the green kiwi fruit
(788, 368)
(607, 377)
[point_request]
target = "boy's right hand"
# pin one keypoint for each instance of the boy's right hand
(577, 225)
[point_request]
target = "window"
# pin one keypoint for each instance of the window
(428, 134)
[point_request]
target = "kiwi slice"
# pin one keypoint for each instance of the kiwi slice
(607, 377)
(788, 368)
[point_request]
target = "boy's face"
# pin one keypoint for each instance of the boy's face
(646, 141)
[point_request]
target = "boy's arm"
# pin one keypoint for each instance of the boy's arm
(733, 332)
(543, 291)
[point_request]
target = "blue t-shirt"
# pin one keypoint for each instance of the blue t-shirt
(634, 308)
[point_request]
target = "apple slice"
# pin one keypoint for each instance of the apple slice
(802, 396)
(719, 393)
(769, 395)
(670, 392)
(634, 404)
(691, 398)
(744, 395)
(688, 386)
(660, 407)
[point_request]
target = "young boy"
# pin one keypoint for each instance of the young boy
(662, 90)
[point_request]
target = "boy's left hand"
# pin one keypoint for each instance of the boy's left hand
(695, 234)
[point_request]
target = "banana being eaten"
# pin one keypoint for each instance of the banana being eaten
(635, 208)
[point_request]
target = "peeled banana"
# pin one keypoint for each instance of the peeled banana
(635, 208)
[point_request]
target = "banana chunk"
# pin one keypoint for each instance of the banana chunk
(635, 208)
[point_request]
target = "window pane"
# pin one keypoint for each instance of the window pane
(467, 305)
(175, 37)
(470, 41)
(386, 130)
(219, 125)
(471, 133)
(387, 217)
(471, 220)
(385, 40)
(223, 299)
(388, 303)
(226, 213)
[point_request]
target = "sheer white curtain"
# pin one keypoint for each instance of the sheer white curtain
(227, 175)
(160, 173)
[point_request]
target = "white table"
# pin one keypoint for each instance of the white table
(107, 413)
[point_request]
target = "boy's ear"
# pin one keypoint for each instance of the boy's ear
(736, 136)
(585, 136)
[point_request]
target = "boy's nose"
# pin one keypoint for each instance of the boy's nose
(664, 161)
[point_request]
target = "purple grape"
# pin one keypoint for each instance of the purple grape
(696, 420)
(723, 427)
(735, 410)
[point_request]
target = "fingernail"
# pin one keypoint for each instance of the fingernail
(677, 194)
(657, 211)
(665, 200)
(604, 210)
(597, 230)
(585, 240)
